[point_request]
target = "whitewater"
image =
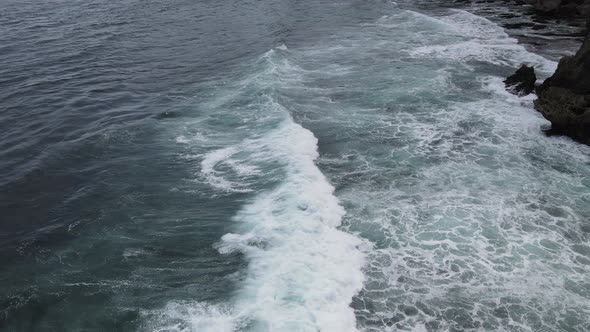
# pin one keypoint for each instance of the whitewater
(289, 166)
(443, 220)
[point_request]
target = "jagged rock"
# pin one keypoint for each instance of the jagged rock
(522, 82)
(569, 113)
(573, 72)
(564, 98)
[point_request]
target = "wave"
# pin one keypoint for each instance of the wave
(465, 37)
(302, 270)
(432, 157)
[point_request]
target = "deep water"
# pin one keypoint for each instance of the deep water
(194, 165)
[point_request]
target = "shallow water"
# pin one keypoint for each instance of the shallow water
(281, 166)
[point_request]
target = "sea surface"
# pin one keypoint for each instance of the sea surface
(281, 165)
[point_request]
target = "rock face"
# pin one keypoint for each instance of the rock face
(522, 82)
(564, 98)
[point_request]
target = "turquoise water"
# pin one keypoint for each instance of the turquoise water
(335, 166)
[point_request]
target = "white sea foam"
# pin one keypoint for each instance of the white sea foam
(182, 140)
(224, 157)
(212, 175)
(464, 218)
(481, 205)
(195, 316)
(468, 37)
(303, 271)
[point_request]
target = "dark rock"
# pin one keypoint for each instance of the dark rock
(564, 98)
(569, 113)
(573, 72)
(522, 82)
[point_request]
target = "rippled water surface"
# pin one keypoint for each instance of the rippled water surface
(280, 166)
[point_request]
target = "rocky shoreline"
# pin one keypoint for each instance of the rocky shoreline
(554, 29)
(552, 34)
(564, 98)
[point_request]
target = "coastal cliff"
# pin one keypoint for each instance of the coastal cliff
(564, 98)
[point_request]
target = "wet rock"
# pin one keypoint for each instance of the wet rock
(572, 72)
(522, 82)
(564, 98)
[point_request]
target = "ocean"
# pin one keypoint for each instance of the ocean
(258, 165)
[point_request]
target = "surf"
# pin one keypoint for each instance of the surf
(302, 269)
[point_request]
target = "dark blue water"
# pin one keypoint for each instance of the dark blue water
(280, 166)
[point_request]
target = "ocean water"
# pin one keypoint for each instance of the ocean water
(192, 165)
